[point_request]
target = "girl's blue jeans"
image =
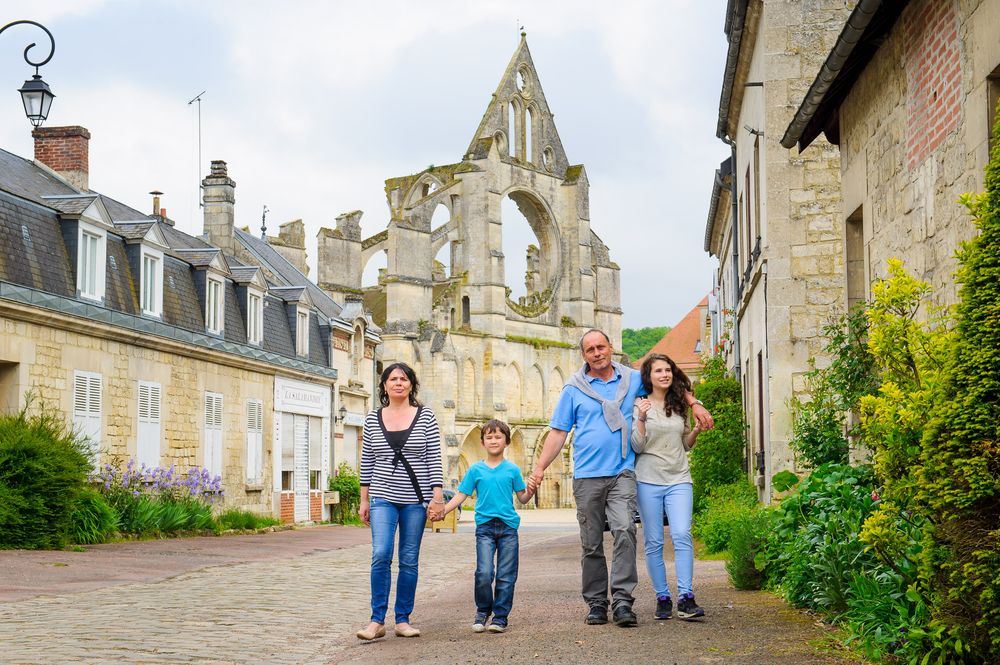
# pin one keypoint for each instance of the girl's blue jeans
(386, 516)
(677, 501)
(494, 539)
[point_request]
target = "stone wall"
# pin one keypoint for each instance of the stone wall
(914, 136)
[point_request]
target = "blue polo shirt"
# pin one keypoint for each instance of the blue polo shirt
(597, 451)
(494, 490)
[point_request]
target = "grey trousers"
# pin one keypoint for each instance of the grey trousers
(613, 497)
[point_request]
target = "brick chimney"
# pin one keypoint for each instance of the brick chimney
(65, 150)
(220, 207)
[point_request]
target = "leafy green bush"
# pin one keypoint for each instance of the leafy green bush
(92, 519)
(747, 540)
(819, 425)
(346, 482)
(245, 520)
(727, 506)
(717, 459)
(814, 545)
(43, 470)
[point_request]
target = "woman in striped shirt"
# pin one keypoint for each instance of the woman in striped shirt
(401, 484)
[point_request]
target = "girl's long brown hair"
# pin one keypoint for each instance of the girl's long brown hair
(681, 384)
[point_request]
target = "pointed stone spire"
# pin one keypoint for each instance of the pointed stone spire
(518, 120)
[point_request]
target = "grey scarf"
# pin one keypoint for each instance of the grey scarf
(613, 415)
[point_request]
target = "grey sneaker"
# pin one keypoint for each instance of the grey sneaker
(479, 624)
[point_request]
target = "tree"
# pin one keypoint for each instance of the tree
(636, 342)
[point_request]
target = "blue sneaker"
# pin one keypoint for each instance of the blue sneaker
(497, 625)
(479, 623)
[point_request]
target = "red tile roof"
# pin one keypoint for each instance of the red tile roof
(681, 342)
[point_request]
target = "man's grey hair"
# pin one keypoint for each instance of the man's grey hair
(595, 330)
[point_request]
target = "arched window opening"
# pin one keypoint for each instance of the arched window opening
(529, 125)
(520, 252)
(513, 144)
(374, 270)
(466, 315)
(441, 269)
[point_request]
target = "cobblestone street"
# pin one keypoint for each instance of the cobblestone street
(301, 600)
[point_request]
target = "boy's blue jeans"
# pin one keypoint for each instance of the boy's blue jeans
(495, 539)
(677, 501)
(385, 517)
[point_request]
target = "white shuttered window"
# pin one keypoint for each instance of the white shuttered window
(213, 433)
(87, 408)
(255, 441)
(148, 432)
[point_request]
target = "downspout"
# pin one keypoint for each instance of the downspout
(735, 238)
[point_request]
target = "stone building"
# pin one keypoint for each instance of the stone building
(773, 217)
(167, 348)
(479, 353)
(909, 94)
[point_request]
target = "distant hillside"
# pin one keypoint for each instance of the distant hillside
(636, 342)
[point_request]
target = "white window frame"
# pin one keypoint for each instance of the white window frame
(151, 282)
(215, 305)
(87, 408)
(255, 441)
(301, 331)
(91, 261)
(255, 317)
(149, 397)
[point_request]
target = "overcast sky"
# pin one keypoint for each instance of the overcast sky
(313, 107)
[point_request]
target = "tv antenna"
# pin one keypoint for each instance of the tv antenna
(263, 223)
(197, 98)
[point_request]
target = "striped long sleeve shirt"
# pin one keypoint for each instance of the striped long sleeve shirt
(386, 475)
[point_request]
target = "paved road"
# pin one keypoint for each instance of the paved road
(297, 597)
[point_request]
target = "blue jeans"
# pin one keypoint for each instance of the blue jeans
(678, 501)
(495, 539)
(385, 517)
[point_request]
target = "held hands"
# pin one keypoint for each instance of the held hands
(534, 481)
(435, 511)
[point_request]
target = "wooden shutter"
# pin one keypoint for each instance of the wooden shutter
(255, 440)
(213, 433)
(87, 408)
(148, 431)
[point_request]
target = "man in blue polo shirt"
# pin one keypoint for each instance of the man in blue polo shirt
(598, 402)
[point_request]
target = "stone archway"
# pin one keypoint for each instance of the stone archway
(543, 261)
(470, 453)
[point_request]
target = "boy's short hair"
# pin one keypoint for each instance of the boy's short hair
(495, 425)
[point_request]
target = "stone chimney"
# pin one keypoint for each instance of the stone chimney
(65, 150)
(291, 244)
(220, 207)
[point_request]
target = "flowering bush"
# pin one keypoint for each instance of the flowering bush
(159, 499)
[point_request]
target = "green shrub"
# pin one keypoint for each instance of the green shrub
(346, 482)
(747, 540)
(819, 425)
(784, 481)
(92, 519)
(245, 520)
(43, 470)
(725, 508)
(717, 459)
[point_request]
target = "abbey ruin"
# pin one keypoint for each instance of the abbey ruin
(479, 352)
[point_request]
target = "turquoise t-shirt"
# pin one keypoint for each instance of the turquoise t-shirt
(597, 451)
(494, 490)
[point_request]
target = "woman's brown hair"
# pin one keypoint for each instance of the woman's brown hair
(675, 401)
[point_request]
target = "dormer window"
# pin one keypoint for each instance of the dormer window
(302, 332)
(255, 317)
(214, 306)
(91, 262)
(151, 294)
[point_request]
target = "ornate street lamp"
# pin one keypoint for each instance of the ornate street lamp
(35, 93)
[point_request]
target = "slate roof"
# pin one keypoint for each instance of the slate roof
(38, 237)
(288, 273)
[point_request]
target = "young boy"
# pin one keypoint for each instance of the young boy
(494, 480)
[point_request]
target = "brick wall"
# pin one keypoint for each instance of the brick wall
(287, 507)
(65, 150)
(316, 506)
(933, 76)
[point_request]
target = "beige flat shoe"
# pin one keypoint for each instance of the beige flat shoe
(365, 634)
(408, 632)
